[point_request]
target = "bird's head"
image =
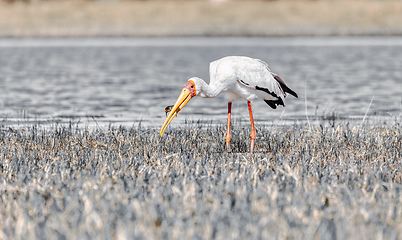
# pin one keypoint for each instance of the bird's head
(189, 91)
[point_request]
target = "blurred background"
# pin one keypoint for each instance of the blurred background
(55, 18)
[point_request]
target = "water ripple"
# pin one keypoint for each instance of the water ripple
(127, 80)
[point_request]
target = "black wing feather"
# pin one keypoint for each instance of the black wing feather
(284, 87)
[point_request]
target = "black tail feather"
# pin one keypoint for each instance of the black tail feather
(284, 87)
(274, 103)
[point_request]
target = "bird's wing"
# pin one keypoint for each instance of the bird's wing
(281, 82)
(255, 74)
(250, 73)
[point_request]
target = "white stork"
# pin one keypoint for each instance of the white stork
(238, 77)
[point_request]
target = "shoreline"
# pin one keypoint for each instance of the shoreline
(200, 18)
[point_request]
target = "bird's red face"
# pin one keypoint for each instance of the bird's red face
(190, 85)
(188, 92)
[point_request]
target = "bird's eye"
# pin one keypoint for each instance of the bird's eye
(192, 86)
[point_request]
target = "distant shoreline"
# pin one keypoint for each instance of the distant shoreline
(200, 18)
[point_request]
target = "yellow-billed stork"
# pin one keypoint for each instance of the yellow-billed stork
(238, 77)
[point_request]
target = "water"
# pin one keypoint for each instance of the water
(131, 80)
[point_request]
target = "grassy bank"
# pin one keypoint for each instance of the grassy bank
(322, 183)
(199, 18)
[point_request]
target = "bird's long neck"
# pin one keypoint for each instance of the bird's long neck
(208, 90)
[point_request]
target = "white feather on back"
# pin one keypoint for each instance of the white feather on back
(240, 76)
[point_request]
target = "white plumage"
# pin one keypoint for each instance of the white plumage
(237, 77)
(242, 77)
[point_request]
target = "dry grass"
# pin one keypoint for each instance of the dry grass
(172, 18)
(318, 183)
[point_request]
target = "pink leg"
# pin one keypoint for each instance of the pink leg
(228, 131)
(252, 127)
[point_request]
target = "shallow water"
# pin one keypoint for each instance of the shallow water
(131, 80)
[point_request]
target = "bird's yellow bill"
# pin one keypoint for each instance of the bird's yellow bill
(181, 101)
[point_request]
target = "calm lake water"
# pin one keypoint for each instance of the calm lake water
(130, 80)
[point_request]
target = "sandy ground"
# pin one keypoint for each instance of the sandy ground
(200, 18)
